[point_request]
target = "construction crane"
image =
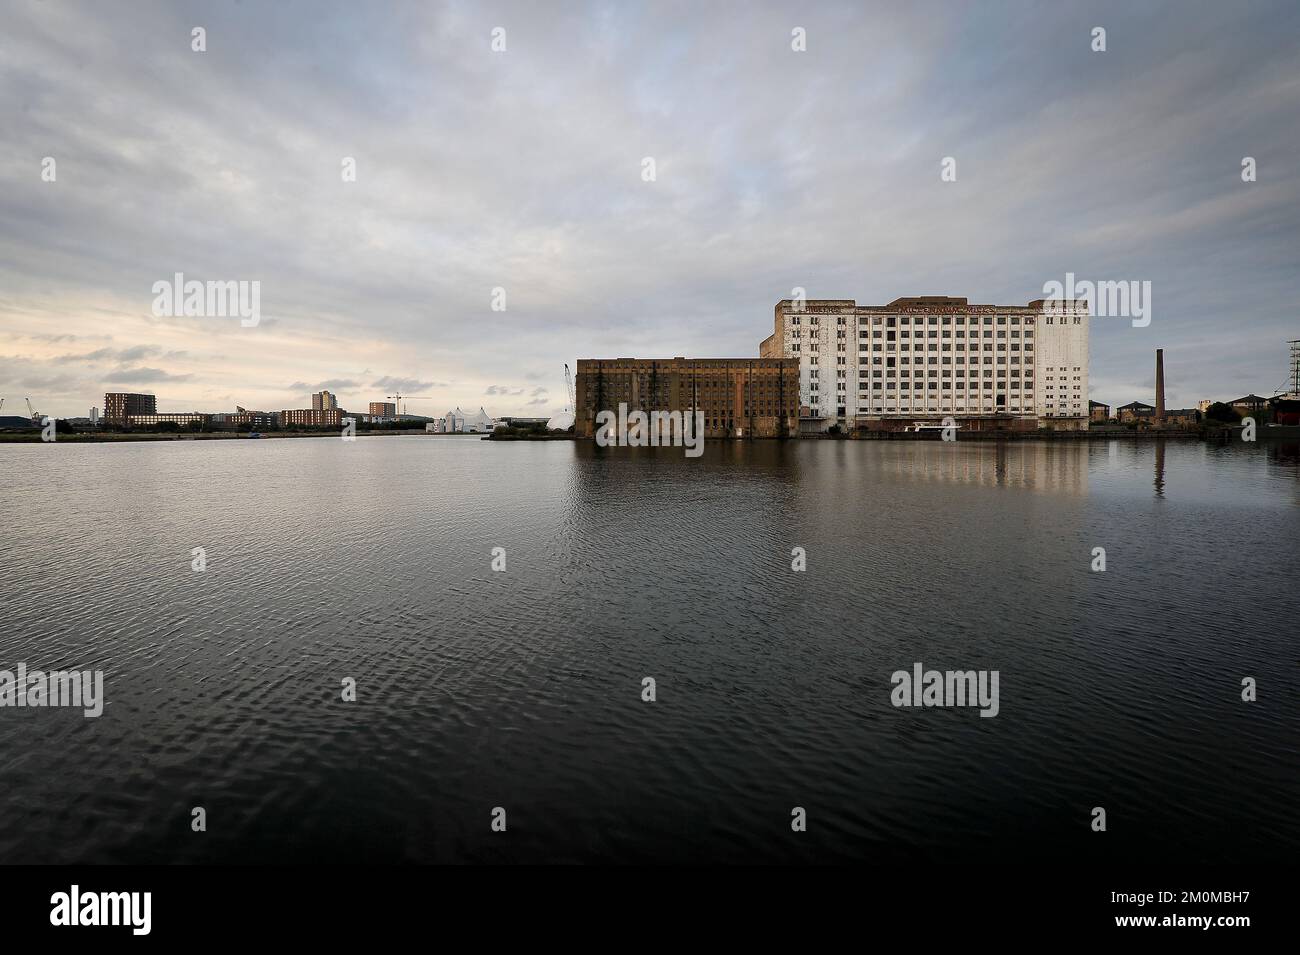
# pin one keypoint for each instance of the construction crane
(399, 407)
(565, 419)
(32, 411)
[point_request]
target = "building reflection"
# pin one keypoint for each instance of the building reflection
(1056, 466)
(1285, 454)
(1160, 467)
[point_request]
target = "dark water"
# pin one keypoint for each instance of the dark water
(522, 689)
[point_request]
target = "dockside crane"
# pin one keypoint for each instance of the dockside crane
(36, 418)
(399, 398)
(566, 418)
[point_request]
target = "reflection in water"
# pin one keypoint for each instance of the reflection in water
(625, 563)
(1036, 466)
(1285, 453)
(1030, 465)
(1160, 467)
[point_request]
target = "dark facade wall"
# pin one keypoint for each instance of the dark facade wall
(757, 396)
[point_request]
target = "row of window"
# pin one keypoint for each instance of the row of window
(796, 348)
(933, 403)
(931, 406)
(1016, 334)
(890, 361)
(891, 321)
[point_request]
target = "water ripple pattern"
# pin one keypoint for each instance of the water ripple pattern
(371, 560)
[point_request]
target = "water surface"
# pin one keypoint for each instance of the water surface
(371, 560)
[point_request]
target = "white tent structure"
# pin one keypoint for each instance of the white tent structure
(481, 423)
(453, 421)
(457, 422)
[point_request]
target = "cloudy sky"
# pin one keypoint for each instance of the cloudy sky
(522, 170)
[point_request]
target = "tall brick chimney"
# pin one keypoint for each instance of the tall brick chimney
(1160, 386)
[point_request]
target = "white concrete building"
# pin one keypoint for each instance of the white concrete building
(917, 360)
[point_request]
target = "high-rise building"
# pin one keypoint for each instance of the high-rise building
(94, 415)
(739, 397)
(324, 401)
(383, 409)
(119, 405)
(920, 359)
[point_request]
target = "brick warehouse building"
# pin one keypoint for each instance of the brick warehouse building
(919, 359)
(740, 397)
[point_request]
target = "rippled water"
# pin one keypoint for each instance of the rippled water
(371, 560)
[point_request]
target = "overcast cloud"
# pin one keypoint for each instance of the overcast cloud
(522, 170)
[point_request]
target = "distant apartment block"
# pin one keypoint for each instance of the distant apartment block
(119, 405)
(920, 359)
(383, 409)
(315, 417)
(182, 418)
(243, 418)
(324, 401)
(740, 397)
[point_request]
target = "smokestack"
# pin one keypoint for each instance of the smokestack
(1160, 386)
